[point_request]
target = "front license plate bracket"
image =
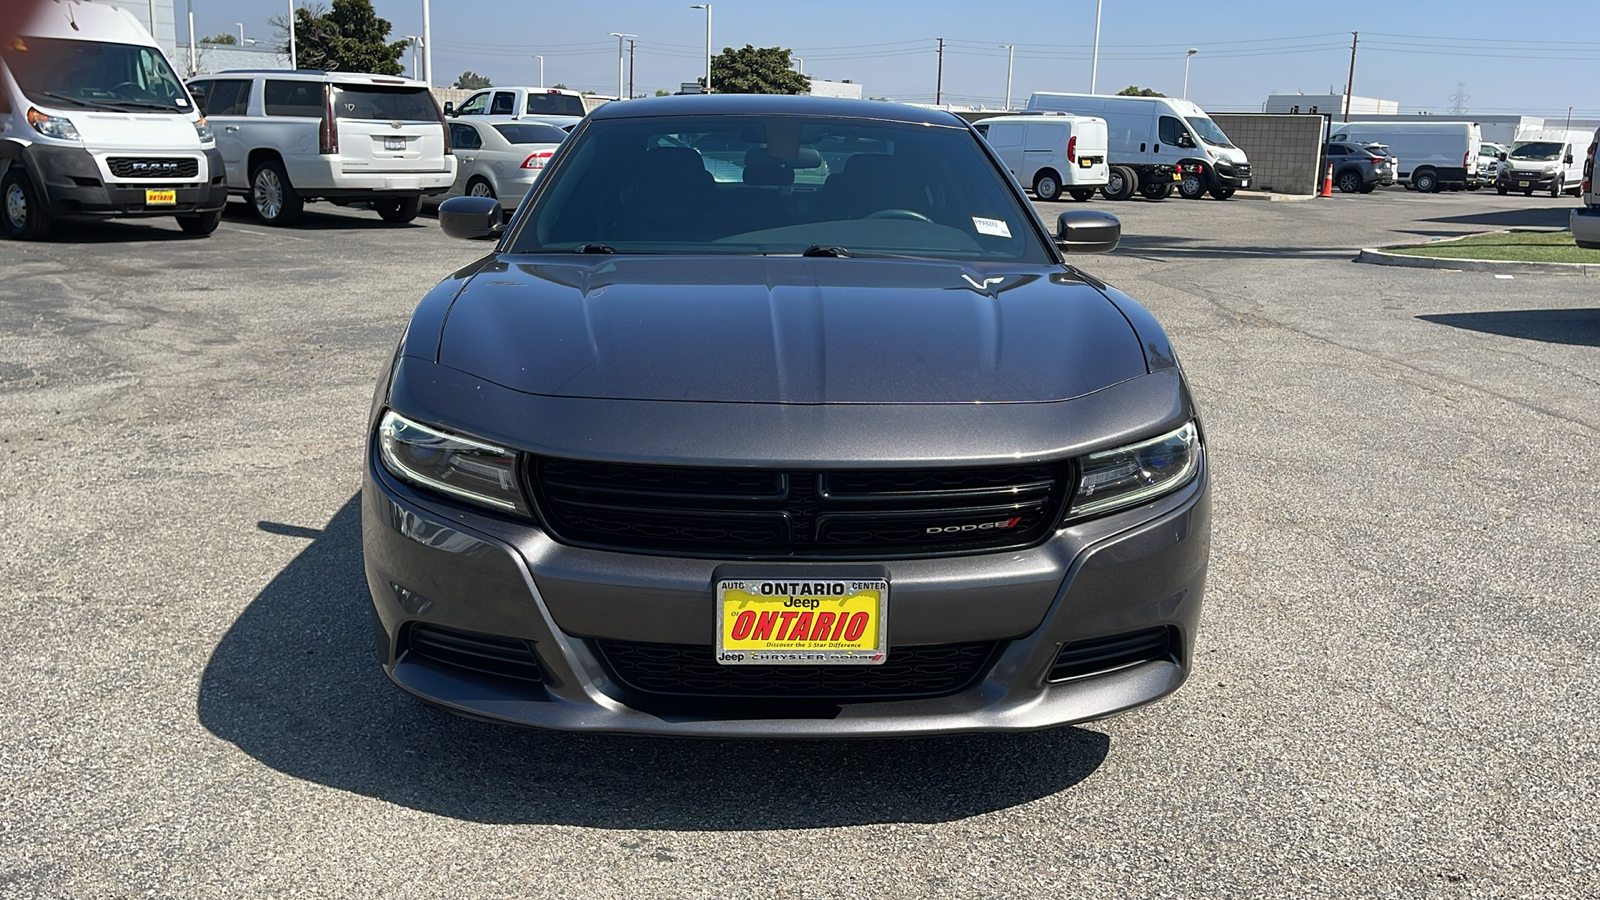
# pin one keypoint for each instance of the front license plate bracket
(802, 621)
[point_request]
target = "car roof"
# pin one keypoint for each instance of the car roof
(319, 76)
(773, 104)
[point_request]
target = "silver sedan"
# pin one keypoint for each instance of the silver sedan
(500, 159)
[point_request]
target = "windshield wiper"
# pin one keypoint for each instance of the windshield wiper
(142, 104)
(597, 248)
(825, 250)
(86, 104)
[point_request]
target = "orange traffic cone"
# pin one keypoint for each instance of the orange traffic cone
(1327, 183)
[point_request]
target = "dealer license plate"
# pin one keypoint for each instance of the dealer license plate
(1522, 184)
(827, 622)
(1086, 163)
(394, 143)
(160, 198)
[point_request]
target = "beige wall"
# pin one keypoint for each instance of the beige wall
(1285, 150)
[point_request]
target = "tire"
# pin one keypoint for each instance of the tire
(1426, 181)
(479, 187)
(1348, 181)
(1501, 190)
(1558, 186)
(200, 224)
(22, 214)
(1082, 195)
(1121, 183)
(1369, 188)
(1222, 193)
(272, 197)
(1473, 187)
(1192, 187)
(1155, 191)
(1047, 185)
(398, 211)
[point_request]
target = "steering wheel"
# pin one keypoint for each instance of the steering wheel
(899, 214)
(126, 84)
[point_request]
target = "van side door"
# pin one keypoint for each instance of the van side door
(1044, 148)
(1006, 138)
(1173, 141)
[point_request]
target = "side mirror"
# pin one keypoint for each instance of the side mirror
(1501, 156)
(450, 108)
(1568, 160)
(472, 218)
(1184, 140)
(1086, 231)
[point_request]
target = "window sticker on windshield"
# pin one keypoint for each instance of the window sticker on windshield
(996, 227)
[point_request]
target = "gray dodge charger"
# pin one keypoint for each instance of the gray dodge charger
(783, 417)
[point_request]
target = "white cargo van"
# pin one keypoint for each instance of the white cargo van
(1585, 220)
(1051, 153)
(1156, 143)
(1550, 161)
(1433, 156)
(94, 122)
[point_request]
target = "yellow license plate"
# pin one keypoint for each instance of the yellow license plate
(160, 198)
(1177, 176)
(827, 622)
(1086, 163)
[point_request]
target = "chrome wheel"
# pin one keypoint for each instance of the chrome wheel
(16, 206)
(268, 194)
(481, 189)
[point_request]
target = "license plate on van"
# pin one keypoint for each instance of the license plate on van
(160, 198)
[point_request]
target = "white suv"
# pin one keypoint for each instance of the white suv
(288, 137)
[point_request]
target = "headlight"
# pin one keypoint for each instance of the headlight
(461, 467)
(53, 126)
(203, 129)
(1133, 474)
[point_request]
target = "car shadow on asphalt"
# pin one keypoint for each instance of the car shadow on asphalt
(1538, 217)
(1156, 246)
(1580, 327)
(317, 217)
(295, 684)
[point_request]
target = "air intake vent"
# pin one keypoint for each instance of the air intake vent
(491, 655)
(764, 513)
(1102, 655)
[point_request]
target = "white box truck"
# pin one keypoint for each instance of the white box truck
(1156, 144)
(1433, 156)
(1051, 154)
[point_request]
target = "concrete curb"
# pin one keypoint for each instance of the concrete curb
(1378, 256)
(1275, 198)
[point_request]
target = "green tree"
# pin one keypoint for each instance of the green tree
(220, 39)
(349, 37)
(662, 93)
(558, 86)
(756, 70)
(1133, 90)
(472, 81)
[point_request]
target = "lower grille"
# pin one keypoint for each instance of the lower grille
(684, 670)
(1101, 655)
(491, 655)
(153, 167)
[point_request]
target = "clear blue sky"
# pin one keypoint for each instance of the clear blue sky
(1414, 52)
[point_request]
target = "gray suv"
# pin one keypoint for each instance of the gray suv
(1360, 167)
(735, 449)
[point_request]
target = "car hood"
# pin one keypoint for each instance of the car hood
(113, 131)
(787, 330)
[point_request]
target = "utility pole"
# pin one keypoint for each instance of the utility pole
(630, 68)
(1094, 66)
(1350, 85)
(427, 44)
(1011, 57)
(938, 84)
(621, 79)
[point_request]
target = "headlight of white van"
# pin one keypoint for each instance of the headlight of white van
(53, 126)
(203, 129)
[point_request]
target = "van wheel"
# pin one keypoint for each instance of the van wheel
(1082, 195)
(272, 197)
(1120, 183)
(398, 211)
(1349, 181)
(22, 215)
(202, 224)
(1047, 186)
(1559, 186)
(1222, 193)
(1192, 187)
(1155, 191)
(1501, 190)
(1426, 182)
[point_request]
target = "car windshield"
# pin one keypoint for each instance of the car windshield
(1537, 150)
(531, 134)
(780, 184)
(555, 105)
(374, 102)
(95, 75)
(1208, 131)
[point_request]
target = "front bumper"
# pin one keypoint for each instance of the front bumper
(1523, 181)
(431, 562)
(1231, 176)
(73, 185)
(1585, 225)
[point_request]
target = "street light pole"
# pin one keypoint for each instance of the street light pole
(541, 71)
(707, 8)
(799, 65)
(621, 62)
(1186, 57)
(294, 63)
(1094, 65)
(427, 44)
(241, 33)
(1011, 57)
(194, 59)
(413, 40)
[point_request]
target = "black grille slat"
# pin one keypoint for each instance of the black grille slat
(797, 513)
(507, 657)
(1082, 658)
(684, 670)
(153, 167)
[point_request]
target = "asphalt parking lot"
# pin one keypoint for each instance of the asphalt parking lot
(1394, 696)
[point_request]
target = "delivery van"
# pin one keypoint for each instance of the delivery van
(1157, 144)
(1434, 156)
(1550, 160)
(1051, 154)
(94, 122)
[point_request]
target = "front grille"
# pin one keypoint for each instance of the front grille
(153, 167)
(764, 513)
(683, 670)
(489, 654)
(1102, 655)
